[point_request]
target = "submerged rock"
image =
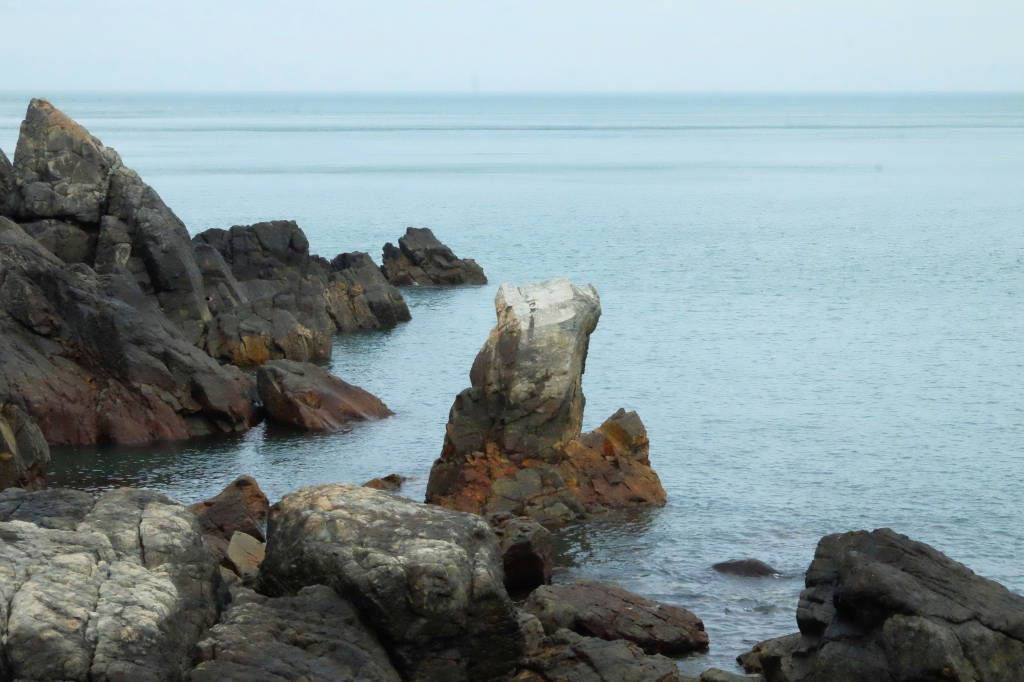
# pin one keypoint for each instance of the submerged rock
(880, 606)
(526, 548)
(428, 581)
(513, 440)
(420, 258)
(315, 636)
(120, 588)
(598, 609)
(745, 568)
(94, 361)
(389, 482)
(568, 657)
(302, 395)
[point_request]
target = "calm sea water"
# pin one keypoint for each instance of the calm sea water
(814, 303)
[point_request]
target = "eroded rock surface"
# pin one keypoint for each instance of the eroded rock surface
(513, 440)
(94, 360)
(598, 609)
(880, 606)
(420, 258)
(24, 453)
(431, 590)
(118, 588)
(526, 548)
(315, 636)
(566, 656)
(302, 395)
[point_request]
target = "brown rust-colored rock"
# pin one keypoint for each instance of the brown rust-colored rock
(389, 482)
(239, 508)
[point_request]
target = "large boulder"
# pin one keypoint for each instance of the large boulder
(315, 636)
(427, 580)
(597, 609)
(273, 300)
(880, 606)
(526, 549)
(420, 258)
(566, 656)
(94, 361)
(305, 396)
(513, 441)
(119, 588)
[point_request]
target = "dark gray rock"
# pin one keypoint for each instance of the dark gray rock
(719, 675)
(420, 258)
(68, 242)
(6, 186)
(427, 580)
(24, 453)
(883, 607)
(125, 595)
(526, 548)
(598, 609)
(93, 360)
(568, 657)
(315, 636)
(746, 568)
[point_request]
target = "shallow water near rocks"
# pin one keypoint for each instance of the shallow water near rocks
(814, 303)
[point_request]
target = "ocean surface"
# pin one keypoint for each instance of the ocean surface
(815, 303)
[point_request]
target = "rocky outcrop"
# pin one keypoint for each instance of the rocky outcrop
(315, 636)
(420, 258)
(119, 588)
(745, 568)
(6, 186)
(880, 606)
(304, 396)
(568, 657)
(526, 548)
(94, 361)
(428, 581)
(239, 509)
(390, 482)
(273, 300)
(24, 453)
(597, 609)
(513, 440)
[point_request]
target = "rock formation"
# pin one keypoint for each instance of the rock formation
(568, 657)
(880, 606)
(526, 548)
(513, 440)
(239, 508)
(745, 568)
(273, 300)
(390, 482)
(302, 395)
(6, 186)
(432, 593)
(93, 360)
(420, 258)
(119, 588)
(315, 636)
(596, 609)
(24, 453)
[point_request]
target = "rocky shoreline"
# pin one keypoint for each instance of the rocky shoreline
(116, 326)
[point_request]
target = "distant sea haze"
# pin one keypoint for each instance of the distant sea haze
(815, 304)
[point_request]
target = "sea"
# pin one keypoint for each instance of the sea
(814, 302)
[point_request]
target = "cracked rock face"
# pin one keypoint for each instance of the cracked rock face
(420, 258)
(119, 588)
(880, 606)
(428, 581)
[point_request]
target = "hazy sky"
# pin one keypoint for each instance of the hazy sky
(515, 45)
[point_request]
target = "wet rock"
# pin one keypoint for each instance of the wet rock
(880, 606)
(302, 395)
(389, 482)
(273, 300)
(246, 553)
(513, 440)
(432, 593)
(746, 568)
(24, 453)
(125, 595)
(420, 258)
(598, 609)
(239, 508)
(314, 636)
(526, 548)
(94, 361)
(569, 657)
(6, 186)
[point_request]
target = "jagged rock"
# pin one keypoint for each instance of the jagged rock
(526, 548)
(568, 657)
(274, 300)
(239, 508)
(6, 186)
(421, 258)
(389, 482)
(302, 395)
(598, 609)
(432, 593)
(314, 636)
(115, 589)
(94, 361)
(513, 439)
(880, 606)
(745, 568)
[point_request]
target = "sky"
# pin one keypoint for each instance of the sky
(513, 45)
